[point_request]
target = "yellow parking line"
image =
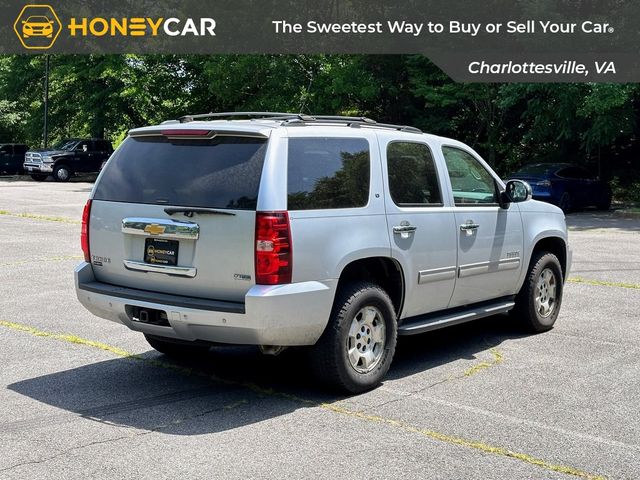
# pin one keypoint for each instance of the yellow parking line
(497, 359)
(602, 283)
(41, 217)
(332, 407)
(60, 258)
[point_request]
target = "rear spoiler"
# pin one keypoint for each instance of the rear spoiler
(193, 133)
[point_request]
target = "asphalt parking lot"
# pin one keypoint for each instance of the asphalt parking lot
(83, 397)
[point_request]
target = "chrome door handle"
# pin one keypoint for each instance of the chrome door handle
(404, 228)
(469, 227)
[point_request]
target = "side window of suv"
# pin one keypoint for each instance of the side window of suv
(470, 181)
(325, 172)
(413, 180)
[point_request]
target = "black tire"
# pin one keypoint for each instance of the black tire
(38, 177)
(62, 173)
(176, 348)
(528, 311)
(330, 356)
(565, 202)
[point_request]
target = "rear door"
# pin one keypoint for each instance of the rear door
(94, 156)
(80, 160)
(490, 238)
(421, 228)
(100, 153)
(177, 215)
(591, 191)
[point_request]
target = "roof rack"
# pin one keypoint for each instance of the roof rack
(302, 119)
(353, 122)
(269, 115)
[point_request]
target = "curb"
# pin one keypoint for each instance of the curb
(626, 214)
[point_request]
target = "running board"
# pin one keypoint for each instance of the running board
(433, 321)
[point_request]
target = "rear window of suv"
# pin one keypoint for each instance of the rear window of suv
(325, 172)
(223, 172)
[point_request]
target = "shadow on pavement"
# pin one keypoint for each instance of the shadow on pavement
(145, 396)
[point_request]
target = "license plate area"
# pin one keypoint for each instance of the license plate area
(159, 251)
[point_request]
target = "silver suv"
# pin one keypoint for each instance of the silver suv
(336, 233)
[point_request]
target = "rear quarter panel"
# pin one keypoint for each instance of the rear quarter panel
(326, 240)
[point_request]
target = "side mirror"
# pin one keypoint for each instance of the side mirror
(84, 148)
(517, 191)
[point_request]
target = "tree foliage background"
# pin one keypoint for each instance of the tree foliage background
(596, 125)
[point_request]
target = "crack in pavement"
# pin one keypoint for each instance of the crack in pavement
(139, 433)
(93, 413)
(332, 407)
(515, 420)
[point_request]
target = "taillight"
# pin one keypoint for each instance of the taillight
(274, 256)
(84, 231)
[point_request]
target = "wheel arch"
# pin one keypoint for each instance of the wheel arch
(384, 271)
(552, 244)
(57, 161)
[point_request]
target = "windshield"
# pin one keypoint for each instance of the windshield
(65, 145)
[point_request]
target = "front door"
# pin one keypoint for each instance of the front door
(490, 238)
(422, 230)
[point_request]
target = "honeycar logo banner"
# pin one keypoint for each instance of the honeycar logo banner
(473, 41)
(140, 27)
(38, 27)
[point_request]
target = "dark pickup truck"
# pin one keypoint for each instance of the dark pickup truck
(12, 157)
(67, 158)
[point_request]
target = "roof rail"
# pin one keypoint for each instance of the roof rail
(353, 122)
(269, 115)
(302, 119)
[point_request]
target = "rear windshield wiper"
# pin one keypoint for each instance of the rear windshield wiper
(189, 211)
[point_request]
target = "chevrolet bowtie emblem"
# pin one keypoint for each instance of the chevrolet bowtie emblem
(154, 229)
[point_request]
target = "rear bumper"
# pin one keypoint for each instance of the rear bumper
(293, 314)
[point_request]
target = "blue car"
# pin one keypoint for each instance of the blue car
(568, 186)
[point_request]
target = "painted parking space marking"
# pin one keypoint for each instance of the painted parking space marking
(58, 258)
(602, 283)
(332, 407)
(47, 218)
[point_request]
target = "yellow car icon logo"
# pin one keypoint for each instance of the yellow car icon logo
(37, 26)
